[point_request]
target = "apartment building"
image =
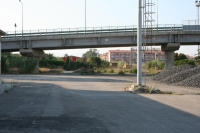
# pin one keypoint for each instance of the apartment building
(130, 56)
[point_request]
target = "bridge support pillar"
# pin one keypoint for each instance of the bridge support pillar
(35, 54)
(169, 53)
(2, 33)
(36, 69)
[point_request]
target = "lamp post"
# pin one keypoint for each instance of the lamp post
(85, 16)
(197, 3)
(157, 13)
(22, 17)
(15, 29)
(139, 44)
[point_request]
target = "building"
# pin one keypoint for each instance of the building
(130, 56)
(73, 58)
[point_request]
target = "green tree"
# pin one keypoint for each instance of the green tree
(184, 62)
(91, 53)
(95, 61)
(180, 56)
(105, 64)
(49, 57)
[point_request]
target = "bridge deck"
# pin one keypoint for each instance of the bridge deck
(89, 31)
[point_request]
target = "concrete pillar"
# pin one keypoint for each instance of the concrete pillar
(169, 53)
(2, 33)
(0, 62)
(169, 59)
(36, 69)
(34, 53)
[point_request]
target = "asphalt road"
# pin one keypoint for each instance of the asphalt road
(92, 104)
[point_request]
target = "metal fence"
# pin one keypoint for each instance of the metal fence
(89, 31)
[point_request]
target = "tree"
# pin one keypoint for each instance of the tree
(66, 55)
(95, 61)
(180, 56)
(91, 53)
(105, 64)
(184, 62)
(48, 57)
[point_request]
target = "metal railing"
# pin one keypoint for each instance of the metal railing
(89, 31)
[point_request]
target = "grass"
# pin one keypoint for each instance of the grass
(48, 70)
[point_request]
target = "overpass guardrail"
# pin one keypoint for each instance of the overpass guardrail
(89, 31)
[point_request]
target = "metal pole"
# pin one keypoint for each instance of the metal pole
(198, 24)
(22, 19)
(15, 29)
(85, 16)
(157, 13)
(139, 44)
(197, 15)
(0, 62)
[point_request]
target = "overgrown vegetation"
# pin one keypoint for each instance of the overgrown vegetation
(181, 59)
(23, 64)
(197, 60)
(156, 64)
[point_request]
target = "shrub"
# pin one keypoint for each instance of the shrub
(121, 73)
(133, 70)
(184, 62)
(112, 71)
(27, 65)
(158, 64)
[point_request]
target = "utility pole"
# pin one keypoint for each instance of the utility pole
(139, 44)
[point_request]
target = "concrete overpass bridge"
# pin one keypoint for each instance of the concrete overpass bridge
(169, 37)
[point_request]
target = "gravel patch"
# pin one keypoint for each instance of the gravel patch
(190, 82)
(173, 70)
(187, 75)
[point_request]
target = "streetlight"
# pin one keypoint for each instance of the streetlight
(15, 29)
(139, 44)
(157, 13)
(85, 16)
(22, 18)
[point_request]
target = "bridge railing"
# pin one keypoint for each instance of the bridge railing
(114, 30)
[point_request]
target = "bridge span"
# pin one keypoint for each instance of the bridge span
(169, 37)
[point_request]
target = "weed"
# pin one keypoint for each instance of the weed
(121, 73)
(112, 71)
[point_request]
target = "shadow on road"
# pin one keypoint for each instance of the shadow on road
(52, 108)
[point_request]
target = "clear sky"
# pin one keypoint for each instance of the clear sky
(53, 14)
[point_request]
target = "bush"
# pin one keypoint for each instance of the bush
(27, 65)
(133, 70)
(112, 71)
(184, 62)
(121, 73)
(51, 63)
(158, 64)
(105, 70)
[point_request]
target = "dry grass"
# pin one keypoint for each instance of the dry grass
(48, 70)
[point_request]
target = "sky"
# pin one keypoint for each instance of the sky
(54, 14)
